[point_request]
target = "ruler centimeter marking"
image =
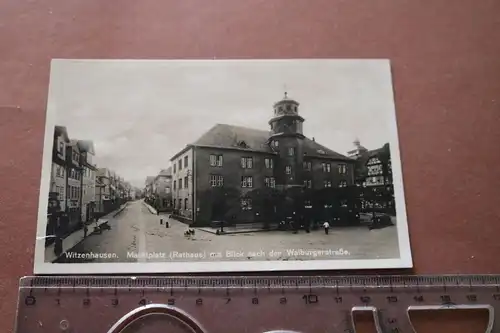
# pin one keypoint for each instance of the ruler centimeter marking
(299, 304)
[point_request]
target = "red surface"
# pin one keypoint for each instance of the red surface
(446, 65)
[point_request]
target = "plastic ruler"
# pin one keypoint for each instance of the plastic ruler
(115, 304)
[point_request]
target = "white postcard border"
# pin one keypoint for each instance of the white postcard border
(42, 267)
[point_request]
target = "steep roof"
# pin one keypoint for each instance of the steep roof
(229, 136)
(166, 172)
(74, 145)
(361, 161)
(149, 180)
(61, 130)
(86, 145)
(102, 172)
(312, 148)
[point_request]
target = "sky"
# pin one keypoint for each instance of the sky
(139, 113)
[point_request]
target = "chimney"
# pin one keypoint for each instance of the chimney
(314, 140)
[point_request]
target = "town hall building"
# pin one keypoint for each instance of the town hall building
(231, 172)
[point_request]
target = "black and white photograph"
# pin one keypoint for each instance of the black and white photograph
(173, 166)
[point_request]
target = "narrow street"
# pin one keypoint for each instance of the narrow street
(137, 231)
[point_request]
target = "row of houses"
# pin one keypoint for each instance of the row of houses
(158, 190)
(239, 174)
(79, 189)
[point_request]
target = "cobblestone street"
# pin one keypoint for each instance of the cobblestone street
(136, 235)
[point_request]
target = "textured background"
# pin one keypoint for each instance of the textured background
(446, 67)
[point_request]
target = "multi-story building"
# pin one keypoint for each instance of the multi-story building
(88, 181)
(374, 176)
(182, 183)
(148, 188)
(57, 191)
(162, 190)
(74, 184)
(103, 191)
(233, 172)
(58, 171)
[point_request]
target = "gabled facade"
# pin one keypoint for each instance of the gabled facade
(58, 172)
(374, 176)
(74, 176)
(88, 183)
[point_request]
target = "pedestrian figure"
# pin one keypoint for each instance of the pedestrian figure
(326, 225)
(58, 241)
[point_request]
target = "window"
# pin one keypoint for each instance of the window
(216, 160)
(186, 182)
(247, 181)
(180, 164)
(342, 183)
(246, 204)
(326, 167)
(185, 203)
(342, 169)
(186, 159)
(288, 170)
(289, 107)
(175, 185)
(242, 144)
(180, 183)
(61, 146)
(276, 143)
(175, 169)
(327, 183)
(216, 181)
(291, 151)
(269, 163)
(213, 160)
(375, 169)
(247, 162)
(308, 183)
(270, 182)
(307, 166)
(175, 201)
(58, 170)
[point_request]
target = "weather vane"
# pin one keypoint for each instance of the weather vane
(286, 93)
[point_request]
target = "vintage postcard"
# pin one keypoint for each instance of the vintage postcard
(220, 166)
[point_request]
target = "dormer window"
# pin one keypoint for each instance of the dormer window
(242, 144)
(276, 143)
(321, 152)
